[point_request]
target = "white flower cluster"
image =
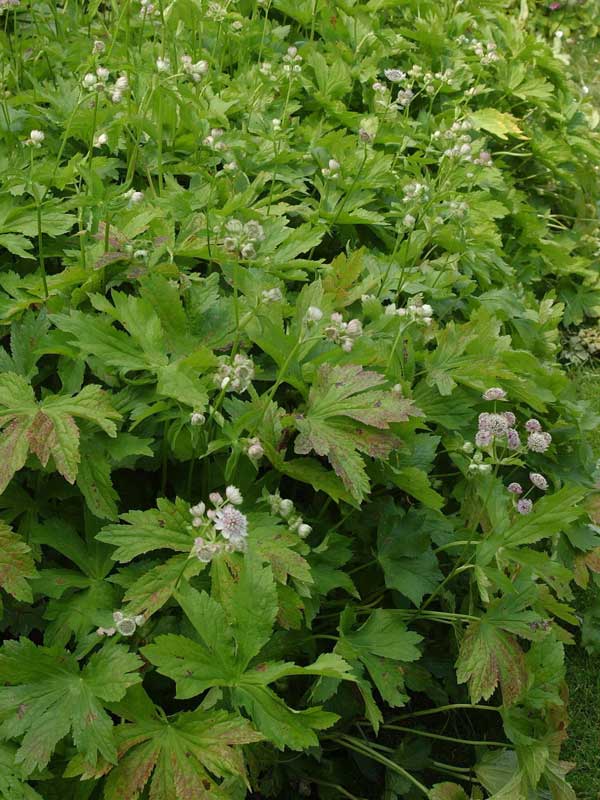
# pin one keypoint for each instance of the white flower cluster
(124, 625)
(266, 69)
(149, 9)
(477, 464)
(417, 311)
(538, 440)
(494, 426)
(243, 238)
(485, 52)
(271, 295)
(235, 375)
(6, 5)
(484, 159)
(343, 333)
(284, 508)
(431, 80)
(313, 314)
(197, 418)
(500, 427)
(216, 11)
(134, 197)
(458, 139)
(394, 75)
(452, 209)
(414, 192)
(383, 95)
(213, 139)
(403, 98)
(332, 170)
(99, 82)
(224, 527)
(292, 60)
(196, 70)
(35, 138)
(255, 450)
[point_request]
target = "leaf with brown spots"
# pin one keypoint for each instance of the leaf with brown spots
(490, 654)
(48, 428)
(16, 565)
(185, 758)
(447, 791)
(46, 697)
(13, 450)
(41, 437)
(347, 415)
(490, 657)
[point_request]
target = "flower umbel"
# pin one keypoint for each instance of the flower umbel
(223, 527)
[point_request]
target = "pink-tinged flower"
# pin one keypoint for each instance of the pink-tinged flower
(231, 522)
(533, 426)
(510, 418)
(513, 440)
(539, 442)
(496, 424)
(483, 438)
(554, 6)
(524, 506)
(495, 393)
(538, 480)
(205, 551)
(515, 488)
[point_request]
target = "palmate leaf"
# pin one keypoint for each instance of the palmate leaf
(16, 565)
(12, 785)
(551, 514)
(154, 588)
(180, 758)
(490, 655)
(380, 644)
(404, 551)
(230, 636)
(143, 346)
(508, 775)
(165, 527)
(347, 415)
(48, 697)
(47, 428)
(169, 528)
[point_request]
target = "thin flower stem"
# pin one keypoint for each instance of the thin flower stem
(41, 248)
(460, 543)
(349, 192)
(450, 707)
(442, 738)
(450, 767)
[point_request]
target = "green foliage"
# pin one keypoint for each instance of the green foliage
(291, 485)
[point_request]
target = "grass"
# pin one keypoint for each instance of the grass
(583, 673)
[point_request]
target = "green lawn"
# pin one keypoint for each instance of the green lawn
(583, 745)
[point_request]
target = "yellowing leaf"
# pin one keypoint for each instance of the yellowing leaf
(341, 397)
(500, 123)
